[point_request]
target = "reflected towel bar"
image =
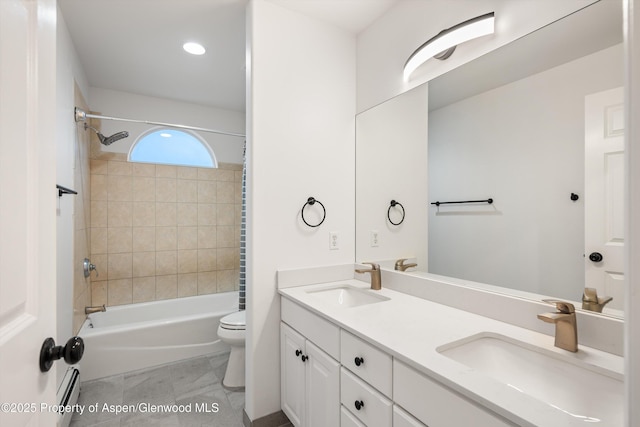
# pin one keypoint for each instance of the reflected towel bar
(64, 190)
(489, 201)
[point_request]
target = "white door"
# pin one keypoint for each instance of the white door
(323, 388)
(604, 194)
(27, 209)
(292, 374)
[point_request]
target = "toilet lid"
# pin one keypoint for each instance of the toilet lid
(237, 320)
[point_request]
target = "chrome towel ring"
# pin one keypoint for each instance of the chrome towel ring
(312, 201)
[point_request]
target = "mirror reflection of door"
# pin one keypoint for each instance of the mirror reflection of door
(604, 194)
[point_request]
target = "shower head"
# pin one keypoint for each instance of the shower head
(108, 140)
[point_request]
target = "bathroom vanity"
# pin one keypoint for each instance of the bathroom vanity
(351, 356)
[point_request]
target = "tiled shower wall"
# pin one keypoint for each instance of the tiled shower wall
(160, 232)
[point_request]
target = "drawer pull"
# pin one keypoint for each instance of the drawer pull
(359, 361)
(305, 358)
(298, 353)
(359, 404)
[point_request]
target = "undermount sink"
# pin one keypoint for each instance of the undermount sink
(347, 296)
(590, 394)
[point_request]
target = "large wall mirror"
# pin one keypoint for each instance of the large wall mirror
(536, 126)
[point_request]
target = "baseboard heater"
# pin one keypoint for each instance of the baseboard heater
(68, 392)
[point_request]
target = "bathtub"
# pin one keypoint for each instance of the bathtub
(136, 336)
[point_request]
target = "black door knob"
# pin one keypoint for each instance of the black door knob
(359, 361)
(71, 353)
(359, 404)
(595, 257)
(305, 358)
(298, 353)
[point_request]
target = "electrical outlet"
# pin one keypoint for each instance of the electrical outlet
(334, 240)
(374, 239)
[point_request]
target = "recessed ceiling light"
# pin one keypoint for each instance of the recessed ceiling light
(194, 48)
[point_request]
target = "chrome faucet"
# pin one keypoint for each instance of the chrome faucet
(95, 309)
(566, 326)
(591, 301)
(401, 266)
(376, 281)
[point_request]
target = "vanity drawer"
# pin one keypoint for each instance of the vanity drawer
(436, 405)
(401, 418)
(321, 332)
(372, 365)
(375, 409)
(347, 419)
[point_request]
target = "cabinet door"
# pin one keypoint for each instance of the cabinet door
(292, 374)
(323, 388)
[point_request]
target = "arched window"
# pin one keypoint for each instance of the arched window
(172, 147)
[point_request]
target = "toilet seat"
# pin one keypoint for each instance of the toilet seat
(235, 321)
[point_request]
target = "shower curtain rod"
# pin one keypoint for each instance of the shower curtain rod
(80, 115)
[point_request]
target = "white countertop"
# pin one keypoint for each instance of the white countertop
(411, 329)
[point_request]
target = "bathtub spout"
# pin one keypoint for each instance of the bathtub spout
(89, 310)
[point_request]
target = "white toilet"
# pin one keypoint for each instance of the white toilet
(232, 331)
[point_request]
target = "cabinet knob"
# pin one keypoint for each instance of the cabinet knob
(359, 404)
(298, 353)
(305, 358)
(359, 361)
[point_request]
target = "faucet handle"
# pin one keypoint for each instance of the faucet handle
(562, 306)
(374, 267)
(400, 262)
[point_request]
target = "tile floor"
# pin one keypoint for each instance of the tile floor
(194, 383)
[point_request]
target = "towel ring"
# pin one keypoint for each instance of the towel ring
(312, 201)
(392, 205)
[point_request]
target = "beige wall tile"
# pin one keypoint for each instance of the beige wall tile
(187, 191)
(166, 238)
(120, 266)
(207, 191)
(99, 167)
(166, 287)
(99, 213)
(119, 168)
(166, 214)
(187, 237)
(207, 237)
(187, 261)
(144, 239)
(99, 187)
(166, 190)
(226, 236)
(99, 293)
(226, 214)
(144, 189)
(226, 175)
(237, 192)
(207, 214)
(119, 292)
(144, 289)
(187, 284)
(227, 280)
(207, 174)
(119, 239)
(238, 214)
(119, 188)
(238, 176)
(144, 214)
(207, 260)
(143, 169)
(144, 264)
(101, 261)
(227, 258)
(166, 171)
(225, 192)
(120, 214)
(184, 172)
(187, 214)
(207, 283)
(166, 262)
(99, 241)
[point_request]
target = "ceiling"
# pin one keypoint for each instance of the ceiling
(136, 45)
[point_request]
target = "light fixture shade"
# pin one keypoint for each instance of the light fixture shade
(468, 30)
(194, 48)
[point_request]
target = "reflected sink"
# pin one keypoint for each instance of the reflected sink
(347, 296)
(588, 393)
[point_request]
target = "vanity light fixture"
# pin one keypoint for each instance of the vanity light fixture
(194, 48)
(444, 43)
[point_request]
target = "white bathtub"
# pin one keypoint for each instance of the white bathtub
(136, 336)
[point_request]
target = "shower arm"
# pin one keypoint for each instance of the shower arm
(81, 116)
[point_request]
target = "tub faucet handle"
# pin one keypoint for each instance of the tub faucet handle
(88, 268)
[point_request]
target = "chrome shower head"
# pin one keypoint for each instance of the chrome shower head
(108, 140)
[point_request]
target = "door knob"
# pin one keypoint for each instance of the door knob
(595, 256)
(358, 361)
(71, 352)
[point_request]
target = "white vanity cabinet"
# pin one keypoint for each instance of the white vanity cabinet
(310, 377)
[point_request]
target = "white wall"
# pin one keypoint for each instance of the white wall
(383, 48)
(527, 153)
(391, 164)
(68, 71)
(228, 149)
(300, 115)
